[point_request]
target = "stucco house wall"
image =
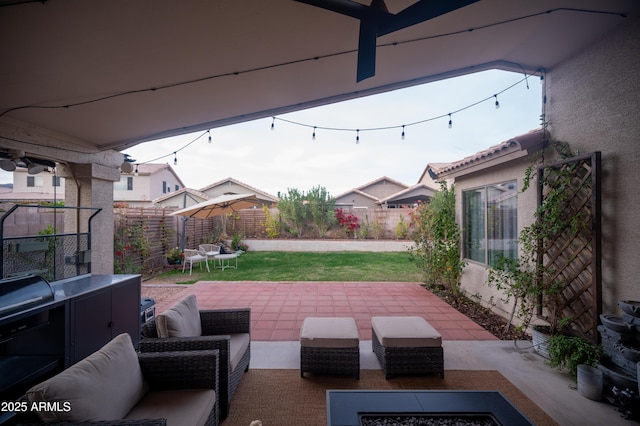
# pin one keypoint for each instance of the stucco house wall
(382, 188)
(592, 103)
(356, 200)
(152, 181)
(474, 276)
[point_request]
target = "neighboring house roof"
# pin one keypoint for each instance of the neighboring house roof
(406, 195)
(261, 195)
(517, 147)
(410, 195)
(431, 170)
(378, 181)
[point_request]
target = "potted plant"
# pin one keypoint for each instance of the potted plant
(566, 351)
(175, 256)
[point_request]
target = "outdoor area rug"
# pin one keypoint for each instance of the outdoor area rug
(283, 398)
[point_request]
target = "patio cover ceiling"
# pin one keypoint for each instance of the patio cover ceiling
(110, 74)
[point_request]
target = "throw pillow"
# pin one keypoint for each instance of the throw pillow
(103, 386)
(180, 320)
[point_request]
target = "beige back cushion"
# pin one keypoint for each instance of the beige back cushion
(180, 320)
(103, 386)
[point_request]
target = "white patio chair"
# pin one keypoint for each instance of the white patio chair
(210, 250)
(191, 256)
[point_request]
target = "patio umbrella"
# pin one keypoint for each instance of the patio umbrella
(220, 205)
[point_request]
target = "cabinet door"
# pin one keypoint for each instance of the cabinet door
(125, 310)
(90, 324)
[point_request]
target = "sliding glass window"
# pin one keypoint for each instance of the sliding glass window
(490, 223)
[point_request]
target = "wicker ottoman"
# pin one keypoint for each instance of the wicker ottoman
(329, 346)
(407, 345)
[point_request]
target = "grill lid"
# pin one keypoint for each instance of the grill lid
(23, 292)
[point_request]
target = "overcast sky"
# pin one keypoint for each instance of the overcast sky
(288, 157)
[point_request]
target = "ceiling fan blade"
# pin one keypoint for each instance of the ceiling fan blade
(367, 50)
(421, 11)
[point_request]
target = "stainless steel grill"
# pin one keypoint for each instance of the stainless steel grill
(20, 293)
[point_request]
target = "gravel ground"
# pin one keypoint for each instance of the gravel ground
(160, 292)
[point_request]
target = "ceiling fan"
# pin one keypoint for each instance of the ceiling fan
(376, 21)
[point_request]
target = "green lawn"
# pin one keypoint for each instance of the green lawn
(305, 266)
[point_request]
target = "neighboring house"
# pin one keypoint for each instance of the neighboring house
(137, 188)
(419, 192)
(43, 186)
(490, 208)
(185, 197)
(233, 186)
(146, 183)
(370, 195)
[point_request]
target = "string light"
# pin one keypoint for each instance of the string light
(175, 158)
(402, 126)
(135, 173)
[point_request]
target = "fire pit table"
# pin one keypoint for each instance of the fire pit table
(348, 408)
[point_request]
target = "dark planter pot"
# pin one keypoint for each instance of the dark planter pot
(174, 261)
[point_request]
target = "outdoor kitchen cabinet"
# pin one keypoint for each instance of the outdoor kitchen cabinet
(99, 315)
(79, 316)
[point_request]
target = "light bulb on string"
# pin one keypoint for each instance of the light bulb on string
(209, 131)
(402, 136)
(135, 173)
(175, 158)
(450, 121)
(357, 136)
(273, 122)
(497, 103)
(313, 137)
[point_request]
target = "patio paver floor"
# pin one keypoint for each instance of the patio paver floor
(279, 308)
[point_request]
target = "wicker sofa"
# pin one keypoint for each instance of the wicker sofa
(225, 330)
(117, 386)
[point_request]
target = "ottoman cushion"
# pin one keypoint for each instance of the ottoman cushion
(329, 333)
(405, 332)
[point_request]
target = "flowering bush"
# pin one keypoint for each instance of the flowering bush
(348, 222)
(175, 255)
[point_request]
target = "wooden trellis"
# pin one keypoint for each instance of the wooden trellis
(571, 254)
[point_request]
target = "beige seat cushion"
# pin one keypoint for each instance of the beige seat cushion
(405, 332)
(103, 386)
(179, 407)
(329, 333)
(180, 320)
(238, 344)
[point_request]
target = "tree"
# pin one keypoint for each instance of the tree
(320, 206)
(294, 211)
(437, 240)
